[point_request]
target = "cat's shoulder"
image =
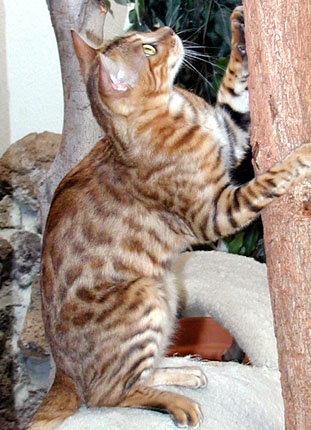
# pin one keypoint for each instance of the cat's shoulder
(190, 97)
(188, 105)
(181, 96)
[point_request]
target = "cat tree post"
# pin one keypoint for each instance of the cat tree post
(80, 129)
(278, 41)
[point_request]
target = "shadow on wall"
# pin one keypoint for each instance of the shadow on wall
(4, 89)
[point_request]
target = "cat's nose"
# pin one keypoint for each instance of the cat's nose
(168, 31)
(171, 31)
(163, 32)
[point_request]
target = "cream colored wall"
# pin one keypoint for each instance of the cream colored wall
(31, 98)
(4, 89)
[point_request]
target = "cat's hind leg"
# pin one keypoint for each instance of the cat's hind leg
(147, 307)
(184, 412)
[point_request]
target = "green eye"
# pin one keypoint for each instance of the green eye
(149, 50)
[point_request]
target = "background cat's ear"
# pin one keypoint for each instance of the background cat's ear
(114, 79)
(85, 53)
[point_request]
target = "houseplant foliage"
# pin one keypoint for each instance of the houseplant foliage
(204, 27)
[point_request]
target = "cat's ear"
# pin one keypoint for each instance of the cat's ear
(112, 78)
(85, 53)
(115, 79)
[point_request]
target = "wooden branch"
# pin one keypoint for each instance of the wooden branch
(80, 129)
(278, 44)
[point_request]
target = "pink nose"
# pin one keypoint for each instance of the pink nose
(168, 31)
(171, 31)
(164, 32)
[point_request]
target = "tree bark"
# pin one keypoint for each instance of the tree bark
(278, 41)
(80, 129)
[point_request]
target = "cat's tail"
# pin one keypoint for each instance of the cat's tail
(61, 401)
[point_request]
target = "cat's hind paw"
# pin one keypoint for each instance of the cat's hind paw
(186, 414)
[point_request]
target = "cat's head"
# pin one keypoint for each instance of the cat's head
(130, 68)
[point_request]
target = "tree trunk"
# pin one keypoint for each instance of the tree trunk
(80, 130)
(278, 41)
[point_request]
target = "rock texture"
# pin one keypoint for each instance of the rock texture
(24, 165)
(27, 246)
(6, 260)
(24, 361)
(7, 406)
(32, 339)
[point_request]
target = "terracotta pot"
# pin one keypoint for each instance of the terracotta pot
(201, 336)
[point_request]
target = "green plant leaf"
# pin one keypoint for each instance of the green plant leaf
(260, 253)
(216, 83)
(235, 243)
(250, 241)
(221, 64)
(108, 6)
(123, 2)
(222, 28)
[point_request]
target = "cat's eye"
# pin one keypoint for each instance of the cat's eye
(149, 50)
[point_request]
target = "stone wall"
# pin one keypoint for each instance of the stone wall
(24, 359)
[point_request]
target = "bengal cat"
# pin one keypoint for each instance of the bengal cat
(158, 182)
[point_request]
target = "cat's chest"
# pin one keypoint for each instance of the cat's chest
(193, 111)
(180, 108)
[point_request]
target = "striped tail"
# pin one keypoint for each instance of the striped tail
(61, 402)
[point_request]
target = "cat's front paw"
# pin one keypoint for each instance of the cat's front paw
(199, 379)
(237, 31)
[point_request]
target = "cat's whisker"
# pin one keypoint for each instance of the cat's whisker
(195, 32)
(198, 59)
(197, 45)
(184, 31)
(194, 69)
(196, 54)
(194, 46)
(204, 60)
(202, 57)
(192, 35)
